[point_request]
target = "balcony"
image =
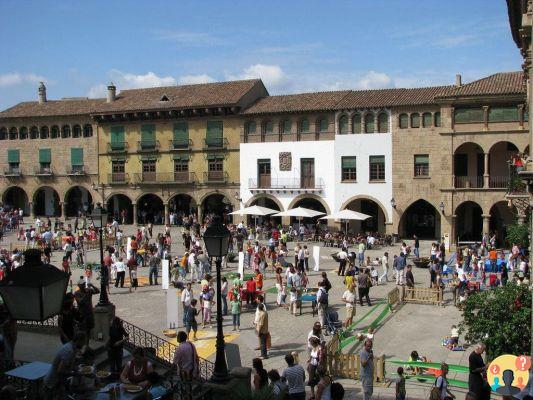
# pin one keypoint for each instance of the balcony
(499, 182)
(181, 144)
(147, 146)
(44, 171)
(468, 182)
(12, 172)
(118, 178)
(173, 178)
(117, 147)
(76, 170)
(216, 177)
(287, 185)
(216, 144)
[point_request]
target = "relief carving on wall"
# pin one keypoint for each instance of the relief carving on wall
(285, 161)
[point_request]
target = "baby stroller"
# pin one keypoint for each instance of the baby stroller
(332, 322)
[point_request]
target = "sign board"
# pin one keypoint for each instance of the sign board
(233, 356)
(165, 272)
(446, 237)
(128, 247)
(173, 298)
(316, 257)
(241, 264)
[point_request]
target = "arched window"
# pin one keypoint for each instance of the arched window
(285, 126)
(54, 132)
(415, 120)
(304, 126)
(3, 133)
(45, 134)
(34, 132)
(87, 130)
(23, 133)
(322, 125)
(356, 123)
(13, 133)
(426, 120)
(404, 121)
(369, 123)
(343, 125)
(65, 131)
(436, 117)
(383, 123)
(250, 128)
(76, 131)
(268, 127)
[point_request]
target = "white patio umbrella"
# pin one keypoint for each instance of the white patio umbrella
(347, 215)
(255, 211)
(299, 212)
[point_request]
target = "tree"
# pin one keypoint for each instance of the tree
(499, 318)
(518, 234)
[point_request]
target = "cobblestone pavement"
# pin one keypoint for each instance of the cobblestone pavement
(412, 327)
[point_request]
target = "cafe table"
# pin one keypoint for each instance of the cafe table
(32, 372)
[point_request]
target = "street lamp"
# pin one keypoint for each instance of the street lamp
(441, 206)
(393, 203)
(98, 216)
(216, 239)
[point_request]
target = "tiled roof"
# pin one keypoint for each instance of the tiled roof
(319, 101)
(185, 96)
(503, 83)
(52, 108)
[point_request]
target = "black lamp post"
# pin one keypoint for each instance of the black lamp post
(98, 216)
(216, 239)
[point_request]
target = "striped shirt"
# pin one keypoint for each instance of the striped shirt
(295, 376)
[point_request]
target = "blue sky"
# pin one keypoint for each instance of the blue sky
(77, 47)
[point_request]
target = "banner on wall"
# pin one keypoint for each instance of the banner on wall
(173, 298)
(241, 264)
(446, 237)
(316, 258)
(165, 274)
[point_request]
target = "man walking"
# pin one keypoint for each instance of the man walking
(322, 301)
(186, 359)
(416, 246)
(294, 374)
(385, 266)
(186, 297)
(367, 369)
(153, 263)
(342, 256)
(361, 252)
(399, 266)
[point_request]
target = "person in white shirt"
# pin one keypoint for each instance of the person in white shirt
(342, 256)
(348, 297)
(194, 267)
(186, 296)
(385, 266)
(121, 272)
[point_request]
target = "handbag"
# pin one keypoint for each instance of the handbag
(435, 391)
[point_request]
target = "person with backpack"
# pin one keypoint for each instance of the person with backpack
(322, 302)
(440, 389)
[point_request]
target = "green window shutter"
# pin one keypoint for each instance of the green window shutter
(377, 159)
(148, 133)
(287, 125)
(323, 126)
(468, 115)
(526, 116)
(369, 123)
(117, 137)
(269, 127)
(415, 120)
(437, 119)
(404, 121)
(349, 162)
(510, 114)
(214, 133)
(304, 125)
(383, 119)
(251, 127)
(76, 156)
(13, 156)
(357, 123)
(45, 156)
(422, 159)
(426, 120)
(181, 157)
(181, 134)
(343, 124)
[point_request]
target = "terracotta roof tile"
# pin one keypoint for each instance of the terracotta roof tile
(503, 83)
(52, 108)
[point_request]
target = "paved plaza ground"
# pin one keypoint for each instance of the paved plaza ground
(411, 327)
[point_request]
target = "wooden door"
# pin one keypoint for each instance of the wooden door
(263, 172)
(307, 168)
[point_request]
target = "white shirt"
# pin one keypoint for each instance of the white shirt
(186, 296)
(385, 262)
(342, 255)
(349, 297)
(119, 265)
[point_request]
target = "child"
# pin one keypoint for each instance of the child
(400, 385)
(454, 336)
(191, 319)
(133, 277)
(206, 299)
(236, 312)
(374, 275)
(294, 299)
(258, 280)
(370, 334)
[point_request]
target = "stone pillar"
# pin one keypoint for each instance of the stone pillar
(376, 122)
(453, 238)
(452, 117)
(350, 124)
(32, 211)
(485, 118)
(167, 216)
(134, 207)
(486, 223)
(486, 174)
(521, 115)
(63, 210)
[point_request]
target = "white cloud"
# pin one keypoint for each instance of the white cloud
(194, 79)
(16, 78)
(126, 80)
(373, 80)
(271, 75)
(97, 91)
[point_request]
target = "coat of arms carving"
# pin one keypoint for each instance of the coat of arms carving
(285, 161)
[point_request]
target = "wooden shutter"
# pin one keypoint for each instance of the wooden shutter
(369, 123)
(214, 133)
(76, 156)
(383, 120)
(349, 162)
(117, 137)
(13, 156)
(45, 156)
(181, 133)
(426, 120)
(148, 133)
(323, 126)
(343, 124)
(357, 123)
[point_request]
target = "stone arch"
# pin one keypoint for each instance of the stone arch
(79, 200)
(368, 197)
(150, 208)
(120, 206)
(13, 133)
(342, 123)
(501, 216)
(468, 221)
(188, 205)
(370, 206)
(500, 153)
(468, 165)
(309, 196)
(369, 118)
(258, 196)
(46, 202)
(420, 218)
(16, 197)
(213, 203)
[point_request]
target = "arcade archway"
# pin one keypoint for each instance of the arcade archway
(183, 204)
(468, 222)
(422, 219)
(368, 207)
(119, 206)
(501, 216)
(79, 201)
(46, 202)
(150, 208)
(267, 202)
(15, 197)
(217, 204)
(313, 204)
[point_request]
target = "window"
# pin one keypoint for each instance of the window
(148, 166)
(214, 134)
(54, 132)
(404, 121)
(422, 165)
(34, 132)
(349, 169)
(13, 134)
(415, 120)
(250, 128)
(369, 123)
(148, 136)
(45, 160)
(44, 132)
(426, 120)
(87, 130)
(503, 114)
(181, 168)
(526, 116)
(343, 125)
(356, 123)
(76, 159)
(263, 173)
(23, 134)
(215, 168)
(3, 133)
(323, 125)
(436, 117)
(181, 135)
(465, 115)
(76, 131)
(117, 138)
(118, 170)
(286, 126)
(377, 168)
(13, 159)
(268, 127)
(65, 131)
(383, 123)
(304, 126)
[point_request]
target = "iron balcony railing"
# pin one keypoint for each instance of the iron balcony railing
(117, 147)
(13, 172)
(44, 171)
(118, 177)
(215, 144)
(499, 182)
(148, 145)
(180, 144)
(76, 170)
(216, 177)
(467, 182)
(165, 177)
(287, 183)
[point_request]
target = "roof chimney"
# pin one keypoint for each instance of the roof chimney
(111, 92)
(458, 82)
(42, 93)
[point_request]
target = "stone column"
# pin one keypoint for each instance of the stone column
(350, 123)
(521, 115)
(453, 238)
(486, 174)
(32, 212)
(452, 117)
(486, 222)
(63, 210)
(485, 118)
(134, 206)
(376, 122)
(167, 216)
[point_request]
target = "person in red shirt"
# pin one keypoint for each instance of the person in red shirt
(258, 280)
(493, 257)
(250, 291)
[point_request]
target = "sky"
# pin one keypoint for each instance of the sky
(77, 47)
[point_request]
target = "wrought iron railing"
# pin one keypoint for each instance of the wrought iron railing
(215, 143)
(499, 182)
(117, 147)
(13, 172)
(180, 144)
(148, 145)
(165, 177)
(50, 323)
(76, 170)
(287, 183)
(44, 171)
(467, 182)
(118, 177)
(216, 176)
